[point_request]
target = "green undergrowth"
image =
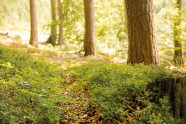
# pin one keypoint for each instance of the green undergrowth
(122, 93)
(30, 89)
(49, 50)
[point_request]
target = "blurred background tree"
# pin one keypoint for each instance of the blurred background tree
(89, 41)
(53, 26)
(177, 33)
(33, 20)
(60, 41)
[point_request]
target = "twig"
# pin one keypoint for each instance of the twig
(36, 117)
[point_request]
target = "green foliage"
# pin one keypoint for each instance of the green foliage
(120, 91)
(159, 4)
(168, 28)
(73, 21)
(30, 89)
(15, 14)
(17, 38)
(109, 23)
(176, 17)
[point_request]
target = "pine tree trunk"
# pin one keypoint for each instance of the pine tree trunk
(89, 41)
(143, 44)
(52, 38)
(60, 42)
(178, 59)
(33, 36)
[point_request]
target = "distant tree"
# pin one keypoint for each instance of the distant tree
(143, 43)
(33, 36)
(53, 34)
(89, 41)
(178, 59)
(60, 42)
(125, 13)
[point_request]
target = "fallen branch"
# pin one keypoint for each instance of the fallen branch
(4, 33)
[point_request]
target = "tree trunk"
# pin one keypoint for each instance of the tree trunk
(52, 38)
(143, 44)
(33, 36)
(177, 41)
(60, 42)
(89, 42)
(125, 12)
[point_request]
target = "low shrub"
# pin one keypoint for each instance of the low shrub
(121, 92)
(29, 89)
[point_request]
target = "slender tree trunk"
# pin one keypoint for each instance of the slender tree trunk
(89, 42)
(125, 12)
(53, 35)
(33, 36)
(143, 43)
(178, 59)
(60, 42)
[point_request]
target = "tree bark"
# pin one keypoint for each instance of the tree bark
(143, 43)
(52, 38)
(33, 36)
(60, 42)
(178, 59)
(89, 41)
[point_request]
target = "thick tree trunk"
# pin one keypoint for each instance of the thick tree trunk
(33, 36)
(60, 42)
(178, 59)
(143, 44)
(53, 35)
(89, 41)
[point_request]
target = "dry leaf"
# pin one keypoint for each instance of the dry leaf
(159, 114)
(63, 122)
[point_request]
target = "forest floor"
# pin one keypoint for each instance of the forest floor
(78, 114)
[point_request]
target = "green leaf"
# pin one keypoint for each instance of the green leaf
(8, 64)
(13, 122)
